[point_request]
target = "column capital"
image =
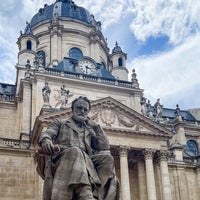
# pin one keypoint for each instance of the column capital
(163, 155)
(148, 153)
(123, 151)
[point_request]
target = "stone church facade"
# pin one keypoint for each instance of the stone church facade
(63, 55)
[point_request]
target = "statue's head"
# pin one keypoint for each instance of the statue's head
(80, 108)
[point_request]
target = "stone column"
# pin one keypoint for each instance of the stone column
(125, 184)
(151, 187)
(166, 189)
(141, 177)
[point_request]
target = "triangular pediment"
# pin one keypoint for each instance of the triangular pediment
(112, 115)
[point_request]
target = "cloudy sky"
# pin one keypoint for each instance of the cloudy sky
(161, 38)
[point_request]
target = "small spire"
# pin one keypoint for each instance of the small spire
(178, 113)
(178, 110)
(117, 48)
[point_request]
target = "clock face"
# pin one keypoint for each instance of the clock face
(86, 66)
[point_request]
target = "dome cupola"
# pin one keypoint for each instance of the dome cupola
(64, 9)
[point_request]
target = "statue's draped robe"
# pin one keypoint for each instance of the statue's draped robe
(84, 160)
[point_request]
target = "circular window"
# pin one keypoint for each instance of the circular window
(191, 148)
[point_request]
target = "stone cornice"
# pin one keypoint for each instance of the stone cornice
(88, 82)
(189, 127)
(118, 131)
(8, 105)
(181, 165)
(17, 152)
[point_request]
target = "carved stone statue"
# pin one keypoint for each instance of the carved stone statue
(65, 96)
(28, 74)
(149, 112)
(75, 160)
(62, 97)
(40, 61)
(46, 93)
(143, 106)
(158, 107)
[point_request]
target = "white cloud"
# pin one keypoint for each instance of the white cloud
(176, 19)
(107, 11)
(172, 76)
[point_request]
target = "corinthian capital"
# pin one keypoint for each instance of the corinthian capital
(163, 155)
(149, 153)
(123, 151)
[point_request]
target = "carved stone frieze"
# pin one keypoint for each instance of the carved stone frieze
(107, 114)
(125, 121)
(62, 96)
(94, 115)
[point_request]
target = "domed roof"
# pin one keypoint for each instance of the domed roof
(64, 8)
(117, 49)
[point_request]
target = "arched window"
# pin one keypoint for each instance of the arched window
(75, 53)
(120, 62)
(28, 45)
(192, 148)
(41, 58)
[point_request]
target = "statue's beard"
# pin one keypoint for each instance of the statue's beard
(80, 118)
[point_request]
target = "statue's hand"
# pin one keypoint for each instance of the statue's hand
(47, 146)
(91, 124)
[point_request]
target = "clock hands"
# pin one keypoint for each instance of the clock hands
(87, 68)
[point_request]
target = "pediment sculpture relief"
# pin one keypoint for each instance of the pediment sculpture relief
(109, 115)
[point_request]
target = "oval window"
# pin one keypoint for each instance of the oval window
(192, 148)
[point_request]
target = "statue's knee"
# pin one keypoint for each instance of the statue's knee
(72, 152)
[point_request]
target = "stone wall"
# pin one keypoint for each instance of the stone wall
(9, 120)
(18, 177)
